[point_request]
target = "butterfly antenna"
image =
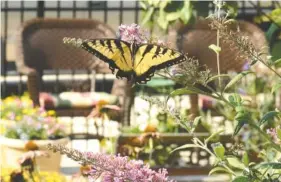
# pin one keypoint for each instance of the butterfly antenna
(73, 41)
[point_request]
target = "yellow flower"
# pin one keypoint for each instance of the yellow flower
(25, 111)
(51, 113)
(18, 118)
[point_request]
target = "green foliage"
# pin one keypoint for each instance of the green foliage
(236, 79)
(241, 179)
(165, 13)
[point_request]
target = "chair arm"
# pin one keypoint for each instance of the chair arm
(33, 80)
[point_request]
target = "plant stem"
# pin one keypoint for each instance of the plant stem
(279, 75)
(274, 145)
(218, 42)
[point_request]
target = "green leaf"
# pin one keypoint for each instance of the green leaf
(276, 62)
(213, 135)
(241, 179)
(245, 159)
(234, 162)
(219, 150)
(217, 77)
(182, 91)
(173, 16)
(185, 147)
(162, 22)
(275, 87)
(147, 16)
(235, 100)
(272, 165)
(240, 124)
(155, 3)
(143, 5)
(268, 116)
(219, 169)
(163, 4)
(186, 12)
(236, 79)
(215, 48)
(195, 123)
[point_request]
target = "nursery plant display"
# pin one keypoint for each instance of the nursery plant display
(27, 128)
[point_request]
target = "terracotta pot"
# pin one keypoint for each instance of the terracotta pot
(13, 149)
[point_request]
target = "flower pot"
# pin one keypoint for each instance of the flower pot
(13, 149)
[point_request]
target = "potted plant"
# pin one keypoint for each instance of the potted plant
(28, 170)
(27, 128)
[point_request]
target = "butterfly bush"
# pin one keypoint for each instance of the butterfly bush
(134, 34)
(131, 33)
(112, 168)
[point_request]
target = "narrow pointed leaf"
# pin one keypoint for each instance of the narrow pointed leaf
(147, 16)
(234, 162)
(236, 79)
(238, 127)
(273, 165)
(268, 116)
(276, 87)
(219, 169)
(185, 147)
(217, 77)
(213, 135)
(215, 48)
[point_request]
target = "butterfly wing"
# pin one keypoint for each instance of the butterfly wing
(115, 52)
(150, 57)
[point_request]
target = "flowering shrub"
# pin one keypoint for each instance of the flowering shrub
(31, 123)
(113, 168)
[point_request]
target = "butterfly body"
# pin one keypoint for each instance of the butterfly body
(136, 62)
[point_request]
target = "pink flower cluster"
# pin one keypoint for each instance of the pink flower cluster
(272, 132)
(120, 169)
(131, 33)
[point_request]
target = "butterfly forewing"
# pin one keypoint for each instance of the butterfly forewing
(115, 52)
(150, 58)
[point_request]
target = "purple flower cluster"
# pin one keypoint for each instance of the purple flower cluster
(131, 33)
(120, 169)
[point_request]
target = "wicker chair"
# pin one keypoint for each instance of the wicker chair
(40, 47)
(196, 39)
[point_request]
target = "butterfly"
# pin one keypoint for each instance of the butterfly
(136, 62)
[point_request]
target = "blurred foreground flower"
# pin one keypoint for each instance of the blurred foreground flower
(32, 155)
(113, 168)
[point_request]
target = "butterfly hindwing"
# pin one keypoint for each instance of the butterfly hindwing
(115, 52)
(150, 57)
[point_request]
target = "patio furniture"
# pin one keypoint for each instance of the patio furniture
(40, 47)
(196, 39)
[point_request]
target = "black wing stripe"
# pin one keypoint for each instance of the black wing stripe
(156, 52)
(120, 48)
(108, 43)
(102, 42)
(147, 49)
(164, 51)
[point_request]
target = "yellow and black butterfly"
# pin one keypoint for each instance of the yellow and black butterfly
(136, 62)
